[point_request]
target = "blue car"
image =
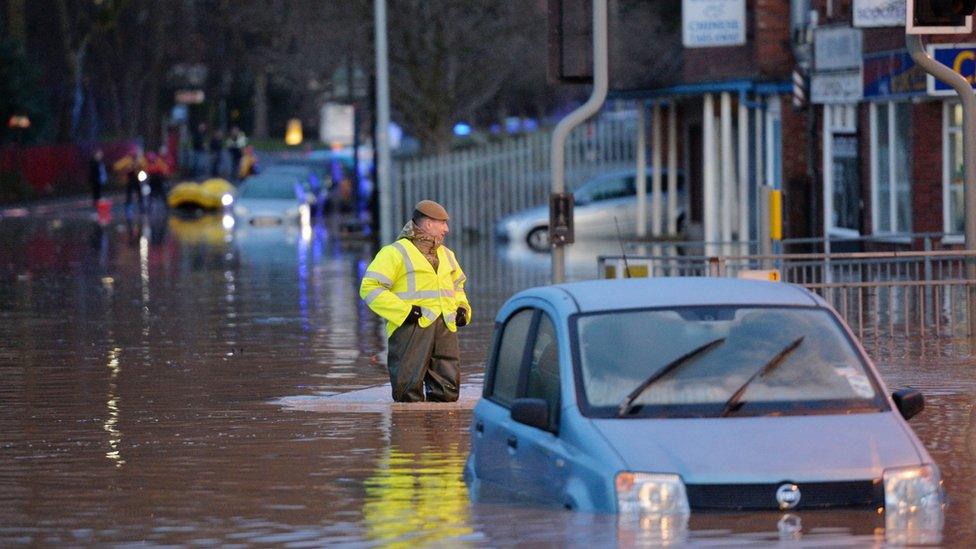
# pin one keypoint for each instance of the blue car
(663, 396)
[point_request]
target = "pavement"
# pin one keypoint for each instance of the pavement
(376, 399)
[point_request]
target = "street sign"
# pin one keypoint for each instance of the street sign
(837, 87)
(338, 124)
(961, 58)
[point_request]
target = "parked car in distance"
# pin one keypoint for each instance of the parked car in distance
(602, 204)
(312, 182)
(661, 396)
(271, 199)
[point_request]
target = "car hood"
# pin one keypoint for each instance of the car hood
(267, 206)
(763, 449)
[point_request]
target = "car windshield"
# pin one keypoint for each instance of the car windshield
(278, 189)
(622, 350)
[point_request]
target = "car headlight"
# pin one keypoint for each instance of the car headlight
(227, 199)
(914, 502)
(651, 493)
(913, 489)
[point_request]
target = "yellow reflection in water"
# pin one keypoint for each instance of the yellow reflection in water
(417, 498)
(111, 425)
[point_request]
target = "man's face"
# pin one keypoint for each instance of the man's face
(434, 227)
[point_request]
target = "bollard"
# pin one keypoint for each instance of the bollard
(104, 208)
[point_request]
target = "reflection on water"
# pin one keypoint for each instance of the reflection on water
(141, 360)
(416, 496)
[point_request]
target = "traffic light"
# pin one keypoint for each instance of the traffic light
(939, 16)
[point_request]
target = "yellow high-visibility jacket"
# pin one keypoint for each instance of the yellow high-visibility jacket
(400, 276)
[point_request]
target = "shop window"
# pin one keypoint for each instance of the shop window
(890, 185)
(953, 172)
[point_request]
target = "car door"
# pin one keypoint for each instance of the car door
(538, 457)
(608, 203)
(492, 443)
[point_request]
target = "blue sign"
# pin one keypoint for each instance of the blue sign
(892, 75)
(961, 58)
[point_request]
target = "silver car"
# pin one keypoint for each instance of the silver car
(270, 199)
(603, 204)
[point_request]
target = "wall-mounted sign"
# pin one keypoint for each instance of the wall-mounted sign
(961, 58)
(711, 23)
(837, 48)
(837, 87)
(879, 13)
(892, 75)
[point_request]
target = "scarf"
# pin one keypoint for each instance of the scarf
(426, 243)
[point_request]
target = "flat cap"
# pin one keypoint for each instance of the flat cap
(432, 210)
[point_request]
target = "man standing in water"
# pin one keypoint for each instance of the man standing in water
(417, 285)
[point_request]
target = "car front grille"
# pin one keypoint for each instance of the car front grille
(859, 493)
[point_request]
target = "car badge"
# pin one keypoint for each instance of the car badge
(788, 496)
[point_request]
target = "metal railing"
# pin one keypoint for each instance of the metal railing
(925, 292)
(481, 185)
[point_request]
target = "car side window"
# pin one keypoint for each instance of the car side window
(612, 188)
(543, 378)
(511, 352)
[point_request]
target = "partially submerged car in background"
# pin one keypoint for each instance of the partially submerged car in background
(272, 199)
(655, 397)
(604, 205)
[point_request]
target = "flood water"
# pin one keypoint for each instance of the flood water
(144, 366)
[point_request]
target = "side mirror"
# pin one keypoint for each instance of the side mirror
(909, 401)
(533, 412)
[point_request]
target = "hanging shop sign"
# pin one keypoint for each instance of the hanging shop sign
(711, 23)
(961, 58)
(892, 75)
(837, 60)
(879, 13)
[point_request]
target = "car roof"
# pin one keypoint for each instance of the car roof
(637, 293)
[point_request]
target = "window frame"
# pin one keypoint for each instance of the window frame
(891, 200)
(488, 392)
(948, 129)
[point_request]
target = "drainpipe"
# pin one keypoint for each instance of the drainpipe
(575, 118)
(965, 91)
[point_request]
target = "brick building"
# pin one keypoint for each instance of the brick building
(875, 154)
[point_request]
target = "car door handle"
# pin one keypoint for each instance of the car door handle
(480, 427)
(512, 443)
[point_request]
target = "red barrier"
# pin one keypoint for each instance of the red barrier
(57, 169)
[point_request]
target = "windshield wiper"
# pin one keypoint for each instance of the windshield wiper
(628, 402)
(735, 401)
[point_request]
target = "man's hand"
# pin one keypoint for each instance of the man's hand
(414, 315)
(462, 317)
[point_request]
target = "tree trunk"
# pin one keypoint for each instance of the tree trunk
(260, 103)
(17, 21)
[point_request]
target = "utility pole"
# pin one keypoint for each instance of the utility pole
(382, 138)
(573, 119)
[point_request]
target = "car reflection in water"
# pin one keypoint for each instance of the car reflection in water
(272, 252)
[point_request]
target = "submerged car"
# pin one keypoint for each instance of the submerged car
(603, 206)
(311, 181)
(662, 396)
(269, 199)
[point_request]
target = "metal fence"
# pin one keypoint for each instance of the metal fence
(481, 185)
(878, 293)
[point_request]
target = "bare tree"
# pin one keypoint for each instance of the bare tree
(448, 59)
